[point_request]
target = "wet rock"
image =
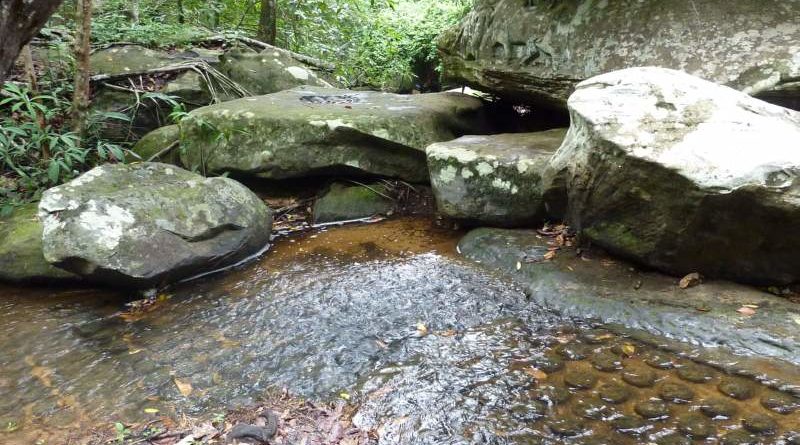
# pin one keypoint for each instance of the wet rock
(528, 412)
(597, 336)
(660, 361)
(581, 379)
(695, 425)
(566, 426)
(537, 51)
(342, 202)
(718, 407)
(250, 433)
(614, 393)
(639, 376)
(793, 438)
(143, 225)
(21, 257)
(593, 408)
(676, 393)
(606, 362)
(650, 127)
(574, 351)
(494, 180)
(588, 282)
(268, 71)
(780, 402)
(324, 131)
(630, 425)
(760, 423)
(737, 388)
(156, 142)
(552, 395)
(652, 409)
(674, 439)
(549, 363)
(739, 437)
(695, 373)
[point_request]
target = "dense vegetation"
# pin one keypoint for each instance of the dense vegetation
(381, 44)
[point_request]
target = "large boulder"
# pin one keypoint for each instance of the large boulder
(160, 144)
(144, 225)
(493, 180)
(537, 51)
(684, 175)
(21, 258)
(325, 131)
(269, 71)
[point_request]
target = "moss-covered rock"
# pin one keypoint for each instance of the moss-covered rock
(21, 258)
(321, 131)
(344, 202)
(537, 51)
(157, 141)
(493, 180)
(684, 175)
(148, 224)
(269, 71)
(121, 59)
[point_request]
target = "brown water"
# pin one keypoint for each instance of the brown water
(436, 349)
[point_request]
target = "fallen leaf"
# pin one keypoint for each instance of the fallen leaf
(550, 255)
(519, 265)
(628, 349)
(796, 319)
(448, 333)
(344, 395)
(422, 330)
(536, 373)
(185, 388)
(748, 311)
(151, 411)
(691, 280)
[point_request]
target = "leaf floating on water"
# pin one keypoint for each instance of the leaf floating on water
(628, 349)
(691, 280)
(796, 319)
(746, 311)
(151, 410)
(550, 255)
(185, 388)
(422, 330)
(519, 265)
(344, 395)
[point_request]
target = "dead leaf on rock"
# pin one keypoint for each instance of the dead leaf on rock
(691, 280)
(550, 255)
(628, 349)
(747, 311)
(536, 373)
(422, 330)
(185, 388)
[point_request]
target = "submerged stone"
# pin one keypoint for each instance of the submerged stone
(580, 379)
(148, 224)
(653, 155)
(676, 393)
(493, 180)
(630, 425)
(652, 409)
(718, 407)
(615, 393)
(739, 437)
(606, 362)
(780, 402)
(759, 423)
(695, 373)
(567, 426)
(739, 389)
(311, 131)
(536, 51)
(639, 376)
(21, 257)
(695, 425)
(344, 202)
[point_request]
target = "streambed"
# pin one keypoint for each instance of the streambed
(434, 348)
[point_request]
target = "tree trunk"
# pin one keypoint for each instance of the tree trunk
(80, 103)
(268, 22)
(181, 17)
(30, 70)
(134, 11)
(20, 20)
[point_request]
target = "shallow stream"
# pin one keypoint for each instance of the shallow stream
(434, 348)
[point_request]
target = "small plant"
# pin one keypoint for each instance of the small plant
(122, 432)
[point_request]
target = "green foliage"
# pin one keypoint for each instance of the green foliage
(37, 150)
(158, 25)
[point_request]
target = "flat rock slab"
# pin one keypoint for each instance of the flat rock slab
(144, 225)
(594, 285)
(684, 175)
(311, 131)
(344, 202)
(268, 71)
(494, 180)
(21, 257)
(537, 51)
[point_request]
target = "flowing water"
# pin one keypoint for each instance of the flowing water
(435, 349)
